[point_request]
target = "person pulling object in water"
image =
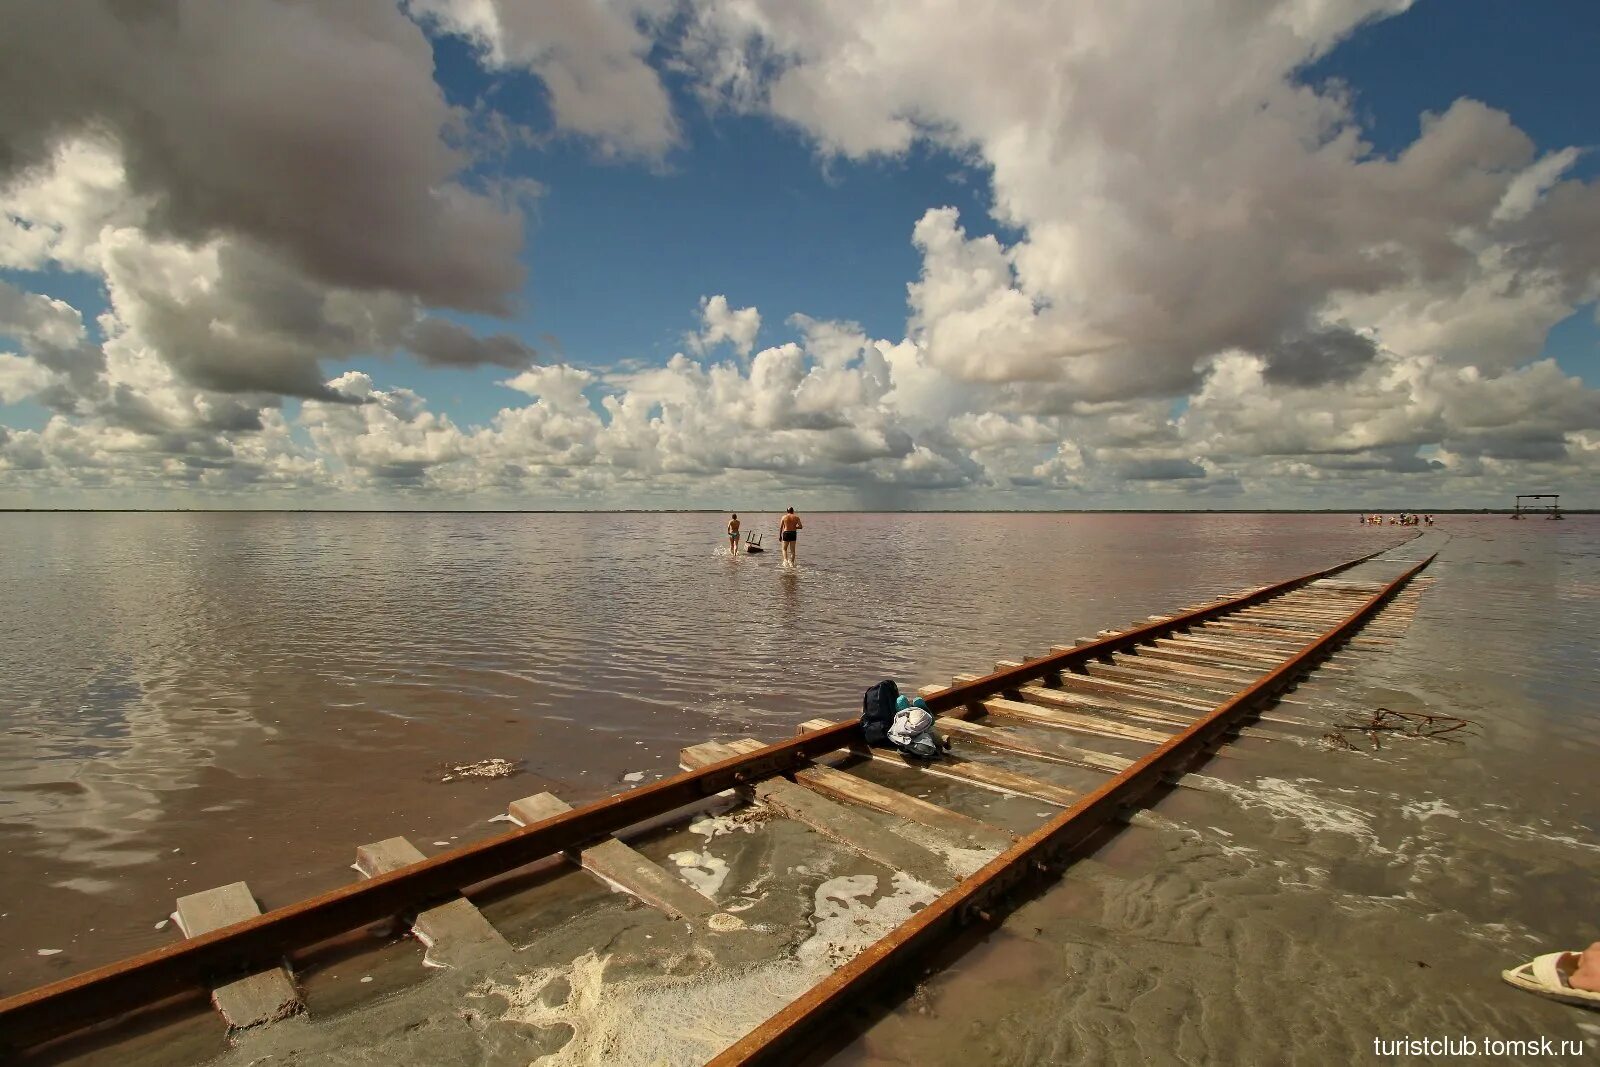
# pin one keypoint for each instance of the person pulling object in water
(788, 527)
(733, 536)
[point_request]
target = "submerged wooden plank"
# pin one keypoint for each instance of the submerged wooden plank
(1287, 628)
(1162, 682)
(958, 768)
(1063, 698)
(1197, 657)
(1047, 698)
(1375, 641)
(1298, 611)
(1277, 645)
(834, 820)
(972, 773)
(1060, 698)
(621, 866)
(1219, 677)
(1327, 602)
(1250, 629)
(1239, 675)
(1045, 749)
(1317, 621)
(996, 779)
(1120, 709)
(1304, 612)
(1207, 660)
(1227, 644)
(1308, 630)
(455, 931)
(1228, 651)
(1108, 695)
(264, 997)
(1284, 642)
(1160, 669)
(1001, 708)
(1085, 683)
(963, 830)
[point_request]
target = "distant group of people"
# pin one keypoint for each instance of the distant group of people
(789, 527)
(1403, 519)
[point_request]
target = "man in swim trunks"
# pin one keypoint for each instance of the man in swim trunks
(733, 535)
(788, 527)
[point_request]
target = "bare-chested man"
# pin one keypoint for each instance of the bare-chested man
(733, 536)
(788, 527)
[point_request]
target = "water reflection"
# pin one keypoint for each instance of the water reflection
(149, 648)
(789, 589)
(185, 680)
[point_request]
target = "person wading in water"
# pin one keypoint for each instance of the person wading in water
(788, 527)
(733, 536)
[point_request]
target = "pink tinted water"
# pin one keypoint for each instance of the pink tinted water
(193, 699)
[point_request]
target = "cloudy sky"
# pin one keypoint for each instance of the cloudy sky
(847, 253)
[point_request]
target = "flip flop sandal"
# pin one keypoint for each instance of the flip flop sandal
(1543, 975)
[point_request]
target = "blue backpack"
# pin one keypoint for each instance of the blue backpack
(877, 711)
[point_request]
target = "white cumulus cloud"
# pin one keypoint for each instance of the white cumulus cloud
(721, 323)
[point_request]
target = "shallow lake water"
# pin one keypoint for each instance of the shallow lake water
(1332, 899)
(193, 699)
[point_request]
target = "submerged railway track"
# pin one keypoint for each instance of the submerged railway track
(1143, 707)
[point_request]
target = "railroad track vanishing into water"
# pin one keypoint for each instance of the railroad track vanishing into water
(1174, 689)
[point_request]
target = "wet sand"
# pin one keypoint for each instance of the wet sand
(1327, 880)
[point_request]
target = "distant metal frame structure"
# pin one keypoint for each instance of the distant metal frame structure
(1549, 511)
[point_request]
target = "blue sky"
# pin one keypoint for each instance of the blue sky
(765, 208)
(620, 252)
(1533, 60)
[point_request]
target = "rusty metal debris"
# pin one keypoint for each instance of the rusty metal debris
(1406, 725)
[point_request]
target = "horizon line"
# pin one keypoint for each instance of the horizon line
(757, 511)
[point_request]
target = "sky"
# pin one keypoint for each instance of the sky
(744, 254)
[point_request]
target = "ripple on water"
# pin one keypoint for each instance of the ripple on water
(222, 681)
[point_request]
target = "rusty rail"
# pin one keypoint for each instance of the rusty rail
(779, 1040)
(256, 944)
(101, 994)
(980, 689)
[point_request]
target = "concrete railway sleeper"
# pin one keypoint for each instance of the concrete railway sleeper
(1152, 689)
